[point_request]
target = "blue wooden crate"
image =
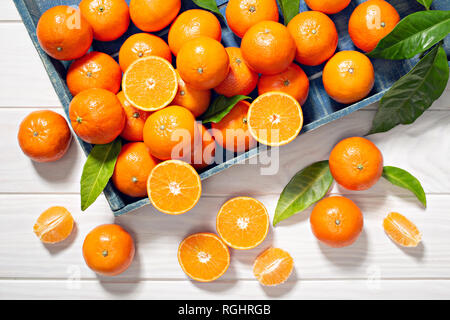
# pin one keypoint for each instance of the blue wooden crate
(318, 110)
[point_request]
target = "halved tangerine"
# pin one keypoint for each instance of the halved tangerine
(150, 83)
(203, 257)
(54, 225)
(242, 223)
(275, 118)
(402, 231)
(174, 187)
(273, 267)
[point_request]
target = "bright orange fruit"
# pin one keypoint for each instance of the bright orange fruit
(54, 225)
(402, 231)
(153, 15)
(204, 148)
(134, 125)
(329, 6)
(293, 81)
(273, 267)
(195, 100)
(275, 118)
(174, 187)
(150, 83)
(242, 223)
(203, 257)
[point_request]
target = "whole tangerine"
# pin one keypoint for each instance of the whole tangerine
(153, 15)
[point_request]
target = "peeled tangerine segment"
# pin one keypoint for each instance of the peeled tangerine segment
(401, 230)
(273, 267)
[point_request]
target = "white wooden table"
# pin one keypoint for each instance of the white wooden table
(373, 267)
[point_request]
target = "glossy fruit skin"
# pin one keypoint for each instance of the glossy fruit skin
(328, 7)
(173, 122)
(356, 163)
(109, 18)
(241, 15)
(141, 45)
(133, 166)
(192, 24)
(348, 76)
(196, 101)
(44, 136)
(240, 79)
(153, 15)
(203, 63)
(315, 36)
(94, 70)
(235, 124)
(336, 221)
(204, 149)
(135, 120)
(60, 36)
(97, 116)
(293, 81)
(268, 47)
(108, 249)
(54, 225)
(370, 22)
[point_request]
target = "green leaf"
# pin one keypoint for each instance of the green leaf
(404, 179)
(414, 34)
(97, 170)
(221, 107)
(210, 5)
(289, 8)
(425, 3)
(307, 187)
(415, 92)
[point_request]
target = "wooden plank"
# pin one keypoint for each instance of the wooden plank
(157, 237)
(410, 147)
(220, 290)
(8, 11)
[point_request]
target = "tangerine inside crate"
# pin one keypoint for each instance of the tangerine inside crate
(318, 110)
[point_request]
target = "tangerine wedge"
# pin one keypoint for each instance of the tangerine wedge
(275, 118)
(174, 187)
(402, 231)
(150, 83)
(203, 257)
(54, 225)
(242, 223)
(273, 267)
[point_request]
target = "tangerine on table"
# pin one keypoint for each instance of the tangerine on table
(293, 81)
(204, 148)
(328, 7)
(153, 15)
(241, 80)
(348, 76)
(109, 18)
(241, 15)
(192, 24)
(135, 120)
(315, 36)
(133, 166)
(174, 187)
(268, 47)
(195, 100)
(150, 83)
(58, 37)
(402, 231)
(170, 132)
(232, 131)
(336, 221)
(97, 116)
(273, 267)
(242, 223)
(94, 70)
(108, 249)
(141, 45)
(54, 225)
(275, 118)
(203, 63)
(370, 22)
(44, 136)
(356, 163)
(203, 257)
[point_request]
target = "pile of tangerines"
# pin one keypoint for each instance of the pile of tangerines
(146, 101)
